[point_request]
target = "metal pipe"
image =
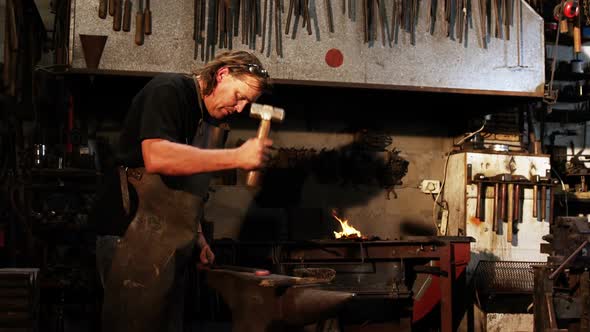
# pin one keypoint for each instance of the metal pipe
(568, 260)
(550, 311)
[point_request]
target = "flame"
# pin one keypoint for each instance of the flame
(347, 230)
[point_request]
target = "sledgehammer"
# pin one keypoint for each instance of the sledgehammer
(266, 114)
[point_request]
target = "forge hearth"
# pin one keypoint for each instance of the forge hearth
(375, 271)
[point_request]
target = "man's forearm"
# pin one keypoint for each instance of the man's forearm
(169, 158)
(201, 240)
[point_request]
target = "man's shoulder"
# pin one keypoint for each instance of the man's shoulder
(172, 80)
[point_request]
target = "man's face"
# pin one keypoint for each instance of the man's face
(231, 94)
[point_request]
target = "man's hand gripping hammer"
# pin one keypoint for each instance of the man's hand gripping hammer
(266, 114)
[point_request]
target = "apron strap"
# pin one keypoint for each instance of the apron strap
(124, 174)
(124, 189)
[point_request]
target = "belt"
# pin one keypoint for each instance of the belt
(124, 174)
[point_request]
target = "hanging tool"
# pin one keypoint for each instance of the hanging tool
(495, 214)
(229, 23)
(433, 10)
(196, 27)
(221, 24)
(306, 16)
(397, 22)
(478, 200)
(508, 17)
(503, 202)
(448, 15)
(510, 211)
(147, 18)
(118, 15)
(289, 15)
(535, 190)
(414, 21)
(483, 20)
(462, 18)
(382, 20)
(551, 204)
(112, 7)
(245, 15)
(211, 34)
(543, 202)
(139, 23)
(516, 213)
(278, 28)
(366, 21)
(577, 34)
(264, 19)
(203, 12)
(127, 16)
(328, 5)
(102, 8)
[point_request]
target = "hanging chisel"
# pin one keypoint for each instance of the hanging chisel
(127, 16)
(264, 18)
(229, 23)
(366, 21)
(221, 23)
(112, 7)
(139, 23)
(279, 48)
(508, 17)
(433, 11)
(236, 17)
(203, 11)
(482, 20)
(382, 20)
(330, 17)
(102, 8)
(147, 18)
(289, 15)
(306, 16)
(196, 27)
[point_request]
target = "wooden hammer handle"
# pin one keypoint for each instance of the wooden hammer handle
(139, 29)
(147, 21)
(127, 16)
(118, 15)
(253, 178)
(102, 9)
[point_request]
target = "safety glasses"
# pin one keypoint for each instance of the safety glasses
(257, 70)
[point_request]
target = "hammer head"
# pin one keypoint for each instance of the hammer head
(267, 112)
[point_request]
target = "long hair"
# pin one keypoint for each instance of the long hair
(239, 64)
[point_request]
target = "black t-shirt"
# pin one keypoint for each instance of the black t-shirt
(167, 108)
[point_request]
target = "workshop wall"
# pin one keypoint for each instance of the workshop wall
(506, 64)
(297, 202)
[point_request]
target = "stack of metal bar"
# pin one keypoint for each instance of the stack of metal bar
(19, 300)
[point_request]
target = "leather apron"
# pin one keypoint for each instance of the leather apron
(144, 288)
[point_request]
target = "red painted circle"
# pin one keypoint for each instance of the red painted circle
(334, 58)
